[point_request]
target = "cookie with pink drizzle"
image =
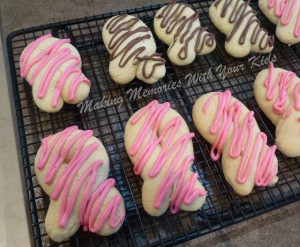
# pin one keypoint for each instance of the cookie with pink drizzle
(277, 92)
(72, 167)
(285, 14)
(159, 144)
(232, 131)
(53, 68)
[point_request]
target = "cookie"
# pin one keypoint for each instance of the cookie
(178, 26)
(53, 68)
(231, 129)
(72, 168)
(277, 92)
(244, 34)
(159, 144)
(132, 50)
(285, 14)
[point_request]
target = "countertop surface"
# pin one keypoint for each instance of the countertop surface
(276, 228)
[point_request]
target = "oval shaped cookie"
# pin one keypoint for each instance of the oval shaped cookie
(178, 26)
(277, 92)
(160, 147)
(285, 14)
(52, 67)
(132, 50)
(238, 21)
(230, 127)
(72, 168)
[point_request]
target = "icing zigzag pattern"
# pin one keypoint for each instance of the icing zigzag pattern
(159, 144)
(286, 15)
(244, 34)
(178, 26)
(132, 50)
(277, 92)
(53, 68)
(233, 132)
(72, 167)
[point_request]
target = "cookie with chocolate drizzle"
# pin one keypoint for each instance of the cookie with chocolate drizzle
(178, 26)
(132, 50)
(238, 21)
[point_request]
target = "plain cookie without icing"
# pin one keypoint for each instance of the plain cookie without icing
(285, 14)
(237, 20)
(132, 50)
(277, 92)
(178, 26)
(72, 168)
(53, 68)
(230, 127)
(159, 144)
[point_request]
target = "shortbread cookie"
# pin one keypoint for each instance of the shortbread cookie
(132, 50)
(277, 92)
(237, 20)
(53, 68)
(72, 167)
(178, 26)
(230, 127)
(285, 14)
(160, 146)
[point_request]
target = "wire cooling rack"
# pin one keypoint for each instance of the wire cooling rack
(223, 207)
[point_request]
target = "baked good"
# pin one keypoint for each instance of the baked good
(52, 67)
(132, 50)
(238, 21)
(285, 14)
(72, 167)
(160, 147)
(230, 127)
(277, 92)
(178, 26)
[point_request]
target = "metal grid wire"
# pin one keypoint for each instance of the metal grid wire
(223, 207)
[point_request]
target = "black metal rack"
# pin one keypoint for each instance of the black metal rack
(223, 207)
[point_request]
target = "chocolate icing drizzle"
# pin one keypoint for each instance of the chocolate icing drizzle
(168, 13)
(156, 57)
(172, 17)
(238, 16)
(121, 32)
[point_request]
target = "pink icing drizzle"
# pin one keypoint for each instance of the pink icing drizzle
(281, 85)
(92, 201)
(297, 28)
(184, 191)
(287, 113)
(228, 115)
(54, 56)
(281, 10)
(296, 97)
